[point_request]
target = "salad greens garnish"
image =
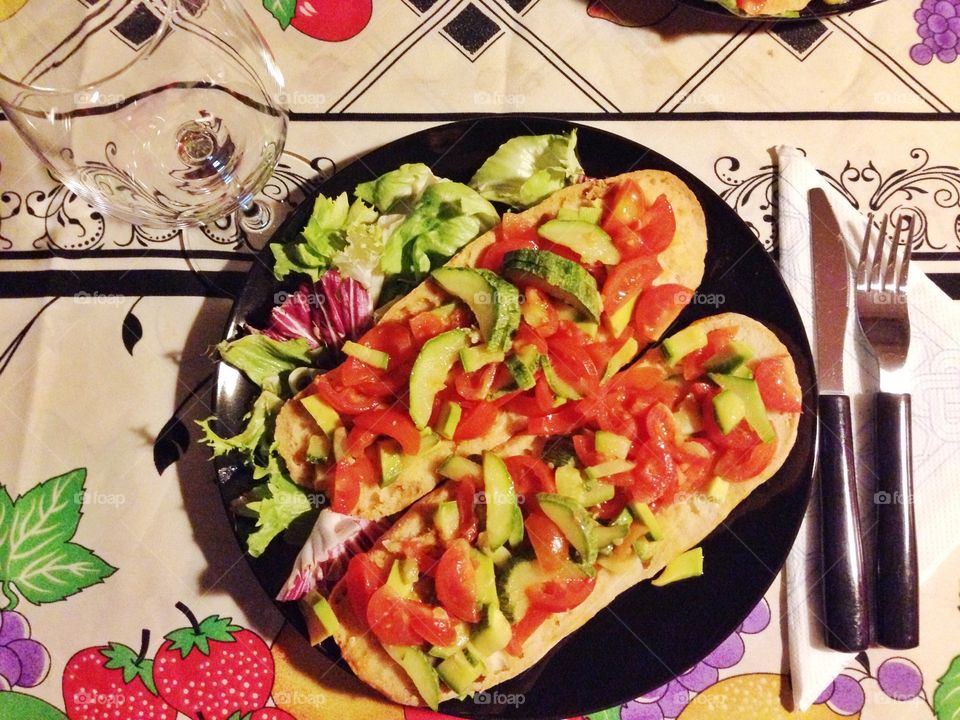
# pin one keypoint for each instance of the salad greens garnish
(525, 170)
(358, 255)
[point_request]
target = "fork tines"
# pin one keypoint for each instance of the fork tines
(889, 266)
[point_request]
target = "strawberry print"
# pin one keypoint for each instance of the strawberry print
(213, 669)
(113, 682)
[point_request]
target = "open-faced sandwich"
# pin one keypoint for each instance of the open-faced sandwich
(524, 543)
(528, 319)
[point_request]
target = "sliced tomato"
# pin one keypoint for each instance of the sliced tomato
(696, 459)
(549, 544)
(564, 593)
(426, 325)
(345, 400)
(585, 447)
(655, 475)
(628, 279)
(397, 620)
(524, 628)
(778, 388)
(528, 335)
(535, 403)
(564, 252)
(743, 463)
(348, 478)
(658, 225)
(661, 428)
(513, 233)
(476, 421)
(657, 307)
(574, 366)
(474, 385)
(741, 437)
(623, 208)
(612, 507)
(530, 475)
(359, 440)
(456, 582)
(466, 499)
(563, 422)
(424, 551)
(394, 423)
(538, 311)
(392, 337)
(363, 578)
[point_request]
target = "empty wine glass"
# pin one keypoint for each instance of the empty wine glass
(159, 112)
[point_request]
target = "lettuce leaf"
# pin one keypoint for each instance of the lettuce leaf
(261, 358)
(250, 441)
(323, 237)
(275, 504)
(397, 191)
(526, 169)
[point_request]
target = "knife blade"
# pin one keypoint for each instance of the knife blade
(846, 608)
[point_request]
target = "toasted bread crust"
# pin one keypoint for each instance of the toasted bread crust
(687, 522)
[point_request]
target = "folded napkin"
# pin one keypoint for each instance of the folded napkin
(933, 362)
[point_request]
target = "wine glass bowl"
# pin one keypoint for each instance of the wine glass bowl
(165, 113)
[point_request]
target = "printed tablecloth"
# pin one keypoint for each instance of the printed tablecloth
(109, 514)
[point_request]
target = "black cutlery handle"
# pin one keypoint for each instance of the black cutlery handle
(846, 608)
(898, 614)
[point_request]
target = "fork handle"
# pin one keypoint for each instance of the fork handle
(846, 608)
(898, 624)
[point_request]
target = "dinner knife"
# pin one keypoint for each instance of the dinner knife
(846, 609)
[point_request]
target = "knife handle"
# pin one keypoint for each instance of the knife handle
(898, 621)
(846, 608)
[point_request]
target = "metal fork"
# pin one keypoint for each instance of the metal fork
(882, 311)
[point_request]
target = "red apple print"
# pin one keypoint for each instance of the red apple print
(332, 20)
(213, 669)
(113, 683)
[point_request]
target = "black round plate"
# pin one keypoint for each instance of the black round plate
(816, 8)
(647, 635)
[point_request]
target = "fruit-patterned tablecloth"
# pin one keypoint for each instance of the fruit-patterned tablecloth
(110, 520)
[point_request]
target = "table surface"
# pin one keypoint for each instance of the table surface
(105, 328)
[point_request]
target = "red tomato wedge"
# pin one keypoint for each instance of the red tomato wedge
(348, 477)
(539, 312)
(456, 585)
(345, 400)
(513, 233)
(363, 578)
(474, 385)
(393, 338)
(466, 499)
(743, 463)
(530, 475)
(778, 390)
(476, 421)
(658, 225)
(564, 593)
(549, 544)
(717, 340)
(657, 308)
(624, 208)
(527, 625)
(628, 279)
(403, 621)
(394, 423)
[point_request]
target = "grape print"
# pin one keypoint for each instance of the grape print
(24, 662)
(938, 25)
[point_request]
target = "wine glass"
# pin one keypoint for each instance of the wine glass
(165, 113)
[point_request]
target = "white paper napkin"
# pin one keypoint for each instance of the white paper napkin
(934, 364)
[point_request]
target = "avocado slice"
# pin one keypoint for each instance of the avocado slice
(687, 565)
(494, 302)
(457, 467)
(493, 633)
(318, 449)
(753, 408)
(367, 355)
(717, 489)
(611, 445)
(620, 358)
(729, 410)
(687, 417)
(446, 519)
(459, 672)
(589, 214)
(556, 276)
(501, 501)
(608, 468)
(420, 670)
(587, 239)
(484, 577)
(680, 344)
(430, 370)
(586, 491)
(474, 358)
(621, 317)
(324, 415)
(608, 535)
(390, 461)
(576, 524)
(730, 358)
(324, 614)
